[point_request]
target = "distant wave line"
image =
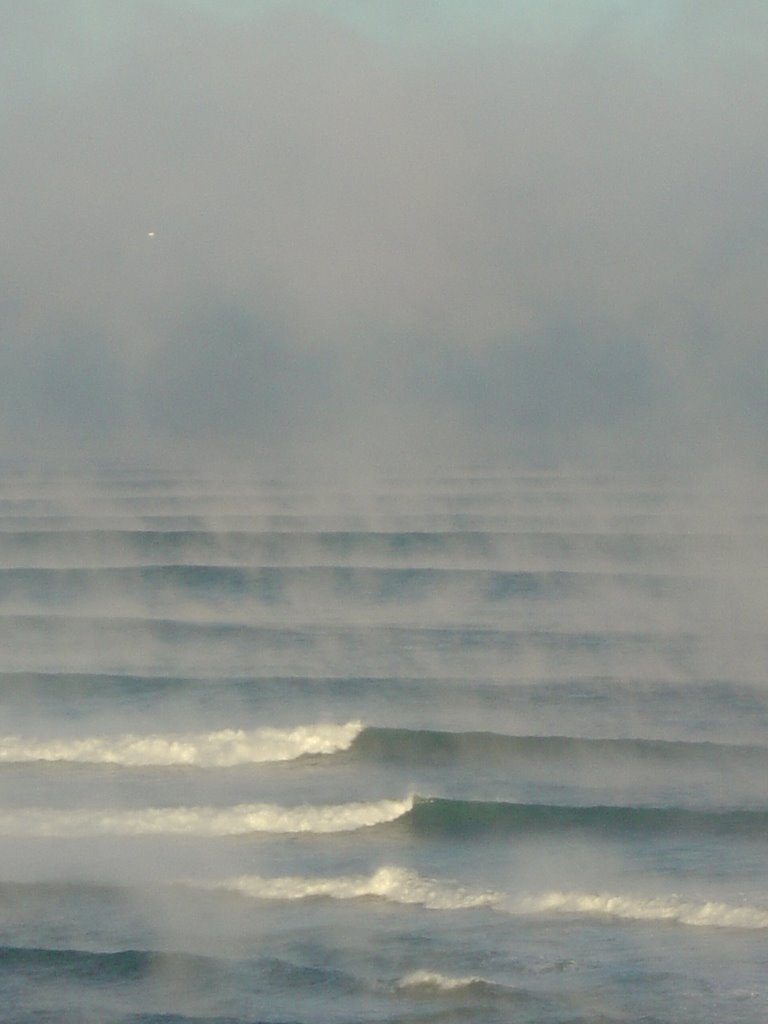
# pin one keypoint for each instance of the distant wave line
(460, 637)
(192, 572)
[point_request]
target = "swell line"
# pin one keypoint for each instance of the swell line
(425, 816)
(230, 746)
(136, 965)
(423, 746)
(435, 816)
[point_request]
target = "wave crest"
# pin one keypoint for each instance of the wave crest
(202, 821)
(221, 749)
(711, 914)
(402, 885)
(390, 883)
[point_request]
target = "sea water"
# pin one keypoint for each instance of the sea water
(474, 748)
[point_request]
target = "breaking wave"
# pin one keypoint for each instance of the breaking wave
(433, 984)
(433, 981)
(224, 748)
(391, 883)
(710, 914)
(427, 816)
(401, 885)
(241, 819)
(229, 747)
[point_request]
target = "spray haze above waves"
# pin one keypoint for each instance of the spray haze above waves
(431, 747)
(418, 676)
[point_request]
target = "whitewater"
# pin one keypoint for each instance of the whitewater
(482, 747)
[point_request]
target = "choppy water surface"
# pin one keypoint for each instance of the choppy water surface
(481, 748)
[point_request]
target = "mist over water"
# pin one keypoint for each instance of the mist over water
(479, 744)
(383, 563)
(345, 235)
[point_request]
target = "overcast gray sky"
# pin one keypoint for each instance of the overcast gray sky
(385, 229)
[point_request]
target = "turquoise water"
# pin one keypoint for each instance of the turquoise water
(479, 748)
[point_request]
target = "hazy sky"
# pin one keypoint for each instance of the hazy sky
(528, 229)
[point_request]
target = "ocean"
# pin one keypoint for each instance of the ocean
(475, 748)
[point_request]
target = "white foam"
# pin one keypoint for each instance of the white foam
(433, 981)
(201, 821)
(391, 883)
(711, 914)
(220, 749)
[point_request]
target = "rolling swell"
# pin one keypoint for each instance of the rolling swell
(425, 816)
(423, 746)
(467, 819)
(135, 965)
(230, 746)
(125, 965)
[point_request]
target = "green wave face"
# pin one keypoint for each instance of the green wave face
(415, 746)
(468, 819)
